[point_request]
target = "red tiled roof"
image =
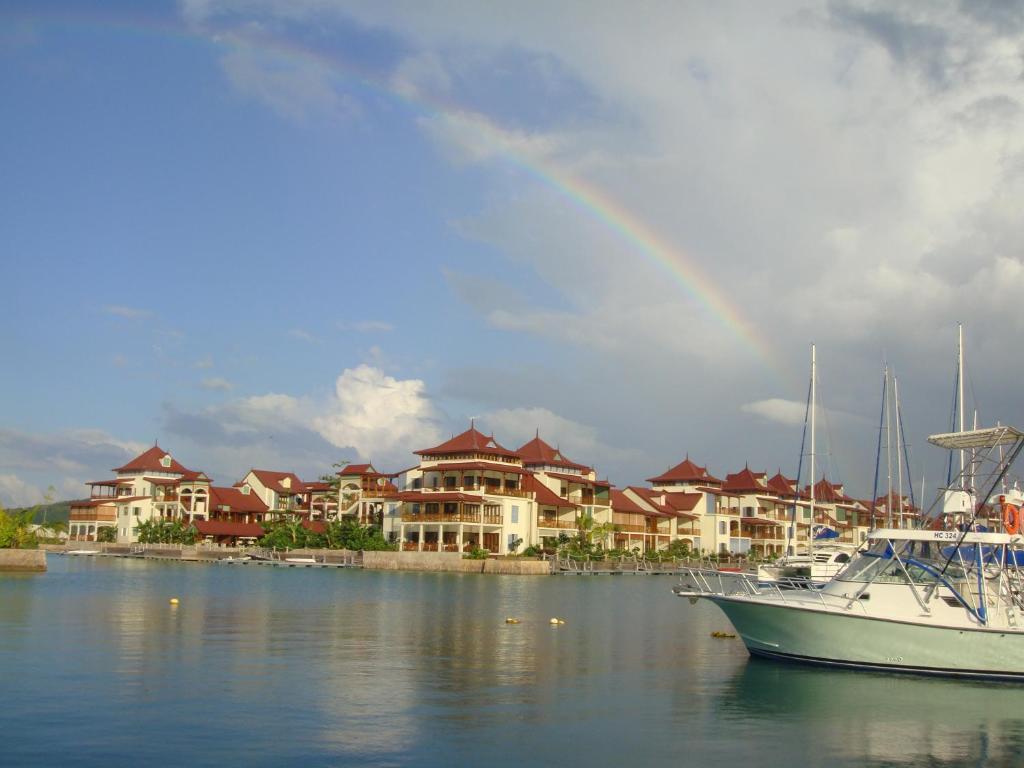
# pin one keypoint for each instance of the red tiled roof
(356, 469)
(622, 503)
(685, 472)
(238, 501)
(123, 481)
(539, 452)
(273, 480)
(781, 485)
(470, 441)
(683, 502)
(746, 481)
(318, 485)
(577, 479)
(651, 498)
(494, 466)
(225, 528)
(545, 496)
(316, 526)
(150, 460)
(759, 521)
(827, 492)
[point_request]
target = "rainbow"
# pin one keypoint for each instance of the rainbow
(681, 267)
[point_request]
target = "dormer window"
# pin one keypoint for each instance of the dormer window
(246, 489)
(165, 461)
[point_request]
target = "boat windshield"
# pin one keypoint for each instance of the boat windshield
(919, 562)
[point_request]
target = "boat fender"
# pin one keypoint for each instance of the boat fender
(1011, 518)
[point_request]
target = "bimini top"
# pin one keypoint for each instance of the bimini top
(989, 437)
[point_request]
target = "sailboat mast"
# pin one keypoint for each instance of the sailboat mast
(960, 390)
(888, 455)
(899, 451)
(814, 386)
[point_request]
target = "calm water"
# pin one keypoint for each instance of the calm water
(267, 666)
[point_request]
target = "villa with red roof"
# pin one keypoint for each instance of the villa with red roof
(153, 485)
(467, 492)
(366, 495)
(563, 491)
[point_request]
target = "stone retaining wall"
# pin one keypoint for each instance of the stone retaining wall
(451, 562)
(30, 560)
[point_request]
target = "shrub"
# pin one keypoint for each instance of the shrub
(476, 554)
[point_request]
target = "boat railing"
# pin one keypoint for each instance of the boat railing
(700, 582)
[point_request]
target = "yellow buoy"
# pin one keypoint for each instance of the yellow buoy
(553, 621)
(510, 620)
(174, 601)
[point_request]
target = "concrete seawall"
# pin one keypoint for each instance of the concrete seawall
(451, 562)
(23, 560)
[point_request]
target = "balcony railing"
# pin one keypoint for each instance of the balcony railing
(546, 522)
(455, 517)
(91, 516)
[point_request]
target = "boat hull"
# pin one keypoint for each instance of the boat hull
(792, 633)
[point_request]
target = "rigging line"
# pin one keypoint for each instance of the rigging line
(952, 419)
(833, 465)
(878, 451)
(906, 455)
(800, 463)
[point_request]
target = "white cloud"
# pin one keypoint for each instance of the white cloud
(383, 418)
(217, 383)
(15, 492)
(302, 335)
(127, 313)
(788, 412)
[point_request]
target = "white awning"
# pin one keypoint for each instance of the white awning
(977, 438)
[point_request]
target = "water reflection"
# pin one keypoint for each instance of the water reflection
(893, 719)
(322, 667)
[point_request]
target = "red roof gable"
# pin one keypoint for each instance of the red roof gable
(234, 498)
(653, 499)
(150, 461)
(827, 492)
(746, 481)
(685, 472)
(539, 452)
(683, 502)
(622, 503)
(470, 441)
(273, 480)
(781, 485)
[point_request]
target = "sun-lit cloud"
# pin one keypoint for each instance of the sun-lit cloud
(378, 415)
(216, 383)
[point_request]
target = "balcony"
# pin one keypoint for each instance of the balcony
(551, 522)
(452, 517)
(92, 516)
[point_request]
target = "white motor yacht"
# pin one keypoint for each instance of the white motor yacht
(947, 601)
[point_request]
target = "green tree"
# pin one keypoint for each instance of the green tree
(16, 531)
(106, 533)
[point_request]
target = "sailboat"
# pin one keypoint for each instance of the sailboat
(824, 557)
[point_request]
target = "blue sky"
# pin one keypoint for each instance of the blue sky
(280, 234)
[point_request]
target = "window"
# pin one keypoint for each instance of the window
(136, 511)
(165, 461)
(722, 527)
(515, 514)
